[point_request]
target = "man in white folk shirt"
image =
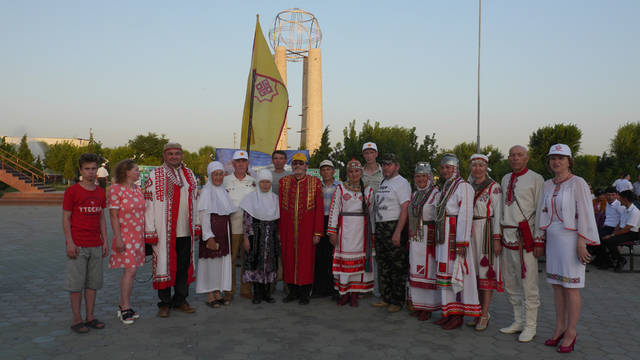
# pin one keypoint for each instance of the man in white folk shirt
(521, 191)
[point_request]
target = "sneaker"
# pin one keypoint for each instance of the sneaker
(126, 316)
(620, 265)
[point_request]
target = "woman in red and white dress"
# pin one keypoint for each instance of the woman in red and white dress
(349, 230)
(423, 287)
(126, 211)
(567, 224)
(485, 235)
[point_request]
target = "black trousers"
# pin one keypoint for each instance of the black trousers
(323, 268)
(181, 289)
(601, 250)
(612, 243)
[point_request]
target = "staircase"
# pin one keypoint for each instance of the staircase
(32, 199)
(21, 175)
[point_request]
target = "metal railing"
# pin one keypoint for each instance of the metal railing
(21, 166)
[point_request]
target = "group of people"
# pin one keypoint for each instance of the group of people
(446, 247)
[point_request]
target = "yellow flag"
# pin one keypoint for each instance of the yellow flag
(270, 99)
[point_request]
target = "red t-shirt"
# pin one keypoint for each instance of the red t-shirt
(86, 210)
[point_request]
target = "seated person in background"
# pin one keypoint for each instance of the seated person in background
(613, 213)
(627, 231)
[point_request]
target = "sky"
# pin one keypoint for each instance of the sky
(123, 68)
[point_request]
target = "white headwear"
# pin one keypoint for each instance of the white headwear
(623, 185)
(480, 157)
(262, 205)
(215, 199)
(264, 174)
(559, 149)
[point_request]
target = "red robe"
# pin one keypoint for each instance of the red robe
(301, 217)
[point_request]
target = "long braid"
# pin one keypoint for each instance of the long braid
(364, 199)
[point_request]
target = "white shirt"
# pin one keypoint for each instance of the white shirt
(102, 172)
(183, 228)
(390, 196)
(613, 213)
(237, 190)
(631, 217)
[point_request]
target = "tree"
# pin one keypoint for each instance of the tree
(69, 172)
(147, 149)
(55, 158)
(390, 139)
(464, 151)
(4, 145)
(626, 148)
(323, 151)
(94, 147)
(585, 166)
(541, 140)
(117, 154)
(24, 153)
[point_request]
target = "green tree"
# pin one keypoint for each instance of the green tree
(69, 172)
(56, 156)
(541, 140)
(147, 149)
(625, 146)
(464, 151)
(390, 139)
(323, 152)
(117, 154)
(24, 153)
(4, 145)
(585, 166)
(94, 147)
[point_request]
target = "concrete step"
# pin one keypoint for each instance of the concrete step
(17, 198)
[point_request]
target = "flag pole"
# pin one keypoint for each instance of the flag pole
(250, 127)
(479, 38)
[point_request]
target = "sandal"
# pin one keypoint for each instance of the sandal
(483, 322)
(217, 303)
(95, 324)
(126, 316)
(135, 313)
(80, 328)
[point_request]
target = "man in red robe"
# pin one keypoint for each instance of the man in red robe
(301, 225)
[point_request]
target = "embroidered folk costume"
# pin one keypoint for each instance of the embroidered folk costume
(519, 266)
(423, 287)
(566, 213)
(487, 204)
(456, 274)
(261, 213)
(214, 255)
(301, 218)
(349, 219)
(170, 221)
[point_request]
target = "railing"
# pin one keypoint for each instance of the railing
(22, 166)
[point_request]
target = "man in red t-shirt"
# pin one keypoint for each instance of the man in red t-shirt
(85, 233)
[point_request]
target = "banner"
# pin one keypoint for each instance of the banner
(270, 100)
(257, 160)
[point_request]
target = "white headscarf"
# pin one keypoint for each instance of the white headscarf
(215, 199)
(262, 205)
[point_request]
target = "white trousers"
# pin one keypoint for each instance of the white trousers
(520, 292)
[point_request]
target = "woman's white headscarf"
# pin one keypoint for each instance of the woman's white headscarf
(215, 199)
(262, 205)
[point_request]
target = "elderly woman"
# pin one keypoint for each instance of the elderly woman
(261, 242)
(455, 271)
(485, 235)
(214, 257)
(423, 288)
(567, 224)
(350, 233)
(126, 210)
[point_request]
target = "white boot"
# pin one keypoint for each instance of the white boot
(529, 331)
(518, 322)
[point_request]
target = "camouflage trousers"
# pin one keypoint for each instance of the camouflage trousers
(393, 263)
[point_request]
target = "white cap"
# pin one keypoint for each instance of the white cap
(623, 185)
(214, 166)
(560, 149)
(326, 163)
(369, 145)
(265, 174)
(240, 154)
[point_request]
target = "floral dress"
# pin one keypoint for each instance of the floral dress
(131, 204)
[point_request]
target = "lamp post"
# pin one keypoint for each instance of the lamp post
(478, 110)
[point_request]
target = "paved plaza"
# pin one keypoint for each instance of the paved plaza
(35, 318)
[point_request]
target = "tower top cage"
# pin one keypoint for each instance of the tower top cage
(298, 31)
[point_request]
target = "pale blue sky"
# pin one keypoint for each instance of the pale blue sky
(180, 68)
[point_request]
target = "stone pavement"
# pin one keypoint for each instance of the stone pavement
(34, 322)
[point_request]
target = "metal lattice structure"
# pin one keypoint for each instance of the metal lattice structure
(298, 31)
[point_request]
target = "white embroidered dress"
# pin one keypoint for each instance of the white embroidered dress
(457, 233)
(423, 287)
(346, 218)
(486, 211)
(566, 213)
